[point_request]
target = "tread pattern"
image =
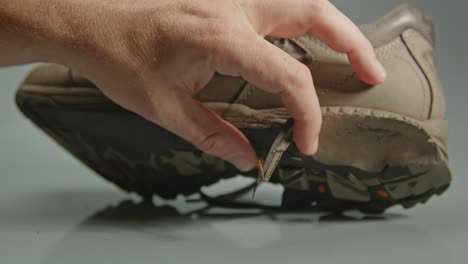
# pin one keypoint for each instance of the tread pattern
(338, 189)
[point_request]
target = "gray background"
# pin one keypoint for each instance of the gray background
(51, 207)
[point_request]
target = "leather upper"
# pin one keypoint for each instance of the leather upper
(404, 43)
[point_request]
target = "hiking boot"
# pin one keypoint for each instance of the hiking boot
(379, 146)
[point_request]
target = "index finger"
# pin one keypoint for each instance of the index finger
(322, 19)
(335, 29)
(273, 70)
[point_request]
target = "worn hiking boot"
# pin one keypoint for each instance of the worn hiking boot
(379, 146)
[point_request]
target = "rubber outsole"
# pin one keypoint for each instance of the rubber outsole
(340, 192)
(368, 160)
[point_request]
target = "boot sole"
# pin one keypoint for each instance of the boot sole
(368, 160)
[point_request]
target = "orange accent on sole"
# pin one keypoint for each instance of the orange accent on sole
(321, 189)
(383, 194)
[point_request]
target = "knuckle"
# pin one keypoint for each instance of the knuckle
(262, 71)
(316, 9)
(357, 45)
(222, 28)
(219, 28)
(220, 40)
(300, 79)
(318, 6)
(210, 144)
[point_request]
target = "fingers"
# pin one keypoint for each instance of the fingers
(324, 20)
(337, 31)
(273, 70)
(207, 131)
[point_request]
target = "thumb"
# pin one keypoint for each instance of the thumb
(207, 131)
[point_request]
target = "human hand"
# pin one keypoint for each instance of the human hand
(153, 56)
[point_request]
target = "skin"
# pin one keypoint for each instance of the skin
(153, 56)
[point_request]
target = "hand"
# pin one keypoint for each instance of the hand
(153, 56)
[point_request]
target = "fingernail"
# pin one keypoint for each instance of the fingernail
(241, 161)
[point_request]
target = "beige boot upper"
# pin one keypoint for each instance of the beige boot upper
(404, 43)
